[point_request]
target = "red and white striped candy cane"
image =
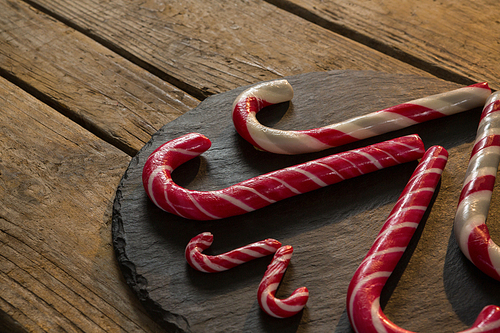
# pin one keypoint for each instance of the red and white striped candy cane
(222, 262)
(471, 231)
(280, 308)
(252, 100)
(363, 295)
(266, 189)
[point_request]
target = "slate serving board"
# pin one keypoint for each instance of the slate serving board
(435, 288)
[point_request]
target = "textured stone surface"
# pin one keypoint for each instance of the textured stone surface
(331, 229)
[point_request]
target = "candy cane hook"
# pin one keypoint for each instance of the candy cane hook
(363, 295)
(222, 262)
(266, 189)
(471, 231)
(267, 288)
(252, 100)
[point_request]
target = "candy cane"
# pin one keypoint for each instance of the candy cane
(252, 100)
(266, 189)
(363, 295)
(267, 288)
(222, 262)
(471, 231)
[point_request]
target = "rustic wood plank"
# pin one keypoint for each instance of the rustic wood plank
(214, 46)
(107, 94)
(455, 39)
(58, 271)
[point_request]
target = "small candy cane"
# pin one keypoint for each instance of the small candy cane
(228, 260)
(471, 231)
(252, 100)
(363, 295)
(266, 189)
(267, 288)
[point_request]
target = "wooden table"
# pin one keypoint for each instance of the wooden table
(85, 83)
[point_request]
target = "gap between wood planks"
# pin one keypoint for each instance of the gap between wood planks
(103, 135)
(292, 8)
(200, 93)
(372, 43)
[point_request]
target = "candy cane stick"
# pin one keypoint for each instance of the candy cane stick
(267, 288)
(471, 231)
(363, 295)
(228, 260)
(252, 100)
(266, 189)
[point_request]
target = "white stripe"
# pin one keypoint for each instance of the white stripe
(376, 320)
(310, 176)
(386, 251)
(351, 128)
(200, 208)
(233, 260)
(194, 262)
(490, 131)
(234, 201)
(397, 120)
(252, 253)
(382, 122)
(409, 147)
(212, 265)
(397, 226)
(403, 210)
(330, 168)
(353, 165)
(181, 151)
(358, 286)
(455, 101)
(371, 158)
(480, 172)
(267, 293)
(291, 308)
(152, 177)
(256, 192)
(174, 208)
(288, 186)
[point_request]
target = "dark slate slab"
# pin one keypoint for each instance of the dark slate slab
(331, 229)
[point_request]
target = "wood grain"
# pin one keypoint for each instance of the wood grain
(459, 39)
(58, 271)
(213, 46)
(92, 85)
(435, 288)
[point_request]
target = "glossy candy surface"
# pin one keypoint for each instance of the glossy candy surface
(222, 262)
(266, 189)
(470, 229)
(363, 295)
(280, 308)
(252, 100)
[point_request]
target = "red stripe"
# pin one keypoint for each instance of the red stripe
(482, 85)
(415, 112)
(328, 136)
(478, 242)
(490, 108)
(241, 112)
(483, 183)
(487, 141)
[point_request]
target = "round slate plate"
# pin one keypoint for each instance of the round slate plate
(434, 288)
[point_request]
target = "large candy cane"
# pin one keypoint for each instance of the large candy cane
(266, 189)
(222, 262)
(252, 100)
(471, 231)
(363, 295)
(280, 308)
